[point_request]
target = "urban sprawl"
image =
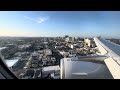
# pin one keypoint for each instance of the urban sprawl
(39, 57)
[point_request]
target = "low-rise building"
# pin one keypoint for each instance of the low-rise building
(47, 52)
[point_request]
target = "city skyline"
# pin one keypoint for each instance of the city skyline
(60, 23)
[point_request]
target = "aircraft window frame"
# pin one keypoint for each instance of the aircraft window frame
(5, 70)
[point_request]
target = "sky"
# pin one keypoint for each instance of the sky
(60, 23)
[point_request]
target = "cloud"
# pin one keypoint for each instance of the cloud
(29, 18)
(42, 19)
(38, 20)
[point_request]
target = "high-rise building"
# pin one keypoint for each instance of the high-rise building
(87, 41)
(66, 36)
(67, 39)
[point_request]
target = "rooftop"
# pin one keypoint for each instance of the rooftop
(10, 63)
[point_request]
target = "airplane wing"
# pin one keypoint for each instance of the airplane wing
(111, 50)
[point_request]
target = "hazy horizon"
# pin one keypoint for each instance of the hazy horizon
(60, 23)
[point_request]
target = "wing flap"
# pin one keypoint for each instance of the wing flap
(113, 67)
